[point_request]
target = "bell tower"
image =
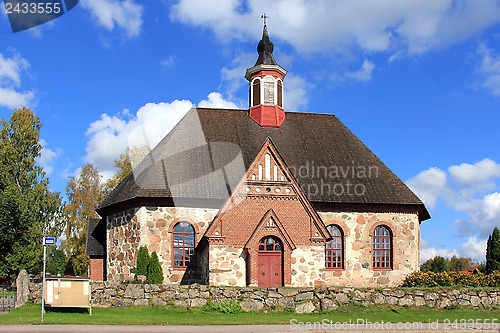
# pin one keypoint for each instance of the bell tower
(266, 85)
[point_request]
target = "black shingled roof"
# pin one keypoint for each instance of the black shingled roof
(183, 165)
(96, 237)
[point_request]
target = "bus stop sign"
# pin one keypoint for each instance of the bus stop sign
(49, 241)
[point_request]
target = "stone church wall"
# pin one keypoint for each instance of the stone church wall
(123, 237)
(357, 229)
(308, 265)
(227, 266)
(152, 227)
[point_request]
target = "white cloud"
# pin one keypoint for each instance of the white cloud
(465, 191)
(491, 206)
(216, 101)
(10, 82)
(125, 14)
(111, 135)
(477, 176)
(168, 62)
(427, 251)
(414, 26)
(473, 249)
(431, 252)
(233, 76)
(363, 74)
(483, 215)
(471, 189)
(429, 185)
(46, 157)
(296, 92)
(10, 70)
(489, 69)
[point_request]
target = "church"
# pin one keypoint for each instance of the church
(263, 198)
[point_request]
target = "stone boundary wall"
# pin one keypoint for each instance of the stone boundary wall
(303, 300)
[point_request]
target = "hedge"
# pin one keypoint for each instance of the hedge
(451, 279)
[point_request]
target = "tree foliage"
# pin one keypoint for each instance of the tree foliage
(124, 163)
(155, 272)
(493, 252)
(439, 264)
(85, 193)
(56, 260)
(27, 206)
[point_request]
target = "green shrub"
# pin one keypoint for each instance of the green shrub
(155, 272)
(451, 279)
(142, 262)
(443, 279)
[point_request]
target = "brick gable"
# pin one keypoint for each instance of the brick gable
(267, 189)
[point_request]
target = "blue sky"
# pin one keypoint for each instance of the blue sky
(417, 81)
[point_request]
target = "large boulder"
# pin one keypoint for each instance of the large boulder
(23, 291)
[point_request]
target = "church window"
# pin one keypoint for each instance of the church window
(260, 171)
(268, 91)
(183, 245)
(382, 248)
(280, 93)
(256, 92)
(270, 244)
(334, 249)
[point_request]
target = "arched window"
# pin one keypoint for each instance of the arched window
(270, 244)
(382, 248)
(280, 93)
(334, 249)
(268, 90)
(256, 92)
(183, 245)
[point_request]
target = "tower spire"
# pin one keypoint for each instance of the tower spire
(265, 49)
(266, 85)
(265, 17)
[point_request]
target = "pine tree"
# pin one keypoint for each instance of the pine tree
(143, 260)
(155, 272)
(493, 252)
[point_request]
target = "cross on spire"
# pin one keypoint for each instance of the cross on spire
(265, 17)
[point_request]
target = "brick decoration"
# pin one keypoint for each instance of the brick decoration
(97, 269)
(268, 191)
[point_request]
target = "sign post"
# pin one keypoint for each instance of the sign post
(46, 241)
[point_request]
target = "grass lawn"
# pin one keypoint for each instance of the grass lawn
(154, 315)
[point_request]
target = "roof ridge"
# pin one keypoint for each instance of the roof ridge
(287, 112)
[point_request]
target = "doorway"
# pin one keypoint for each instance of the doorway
(270, 262)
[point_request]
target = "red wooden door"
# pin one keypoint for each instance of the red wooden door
(270, 265)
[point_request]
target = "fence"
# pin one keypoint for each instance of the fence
(7, 302)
